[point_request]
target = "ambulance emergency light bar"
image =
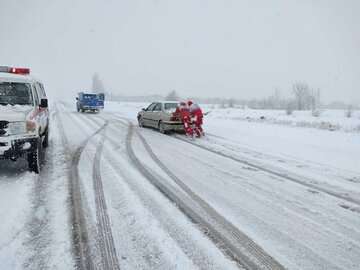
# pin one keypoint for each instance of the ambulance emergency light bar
(15, 70)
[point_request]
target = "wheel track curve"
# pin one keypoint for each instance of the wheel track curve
(233, 243)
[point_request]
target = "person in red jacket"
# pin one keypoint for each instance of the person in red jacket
(183, 111)
(197, 118)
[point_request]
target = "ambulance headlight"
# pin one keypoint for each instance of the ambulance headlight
(30, 126)
(16, 128)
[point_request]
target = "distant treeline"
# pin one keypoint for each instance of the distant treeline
(265, 103)
(301, 97)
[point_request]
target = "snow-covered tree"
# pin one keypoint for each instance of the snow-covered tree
(231, 103)
(97, 84)
(314, 102)
(290, 106)
(349, 111)
(172, 96)
(301, 92)
(223, 104)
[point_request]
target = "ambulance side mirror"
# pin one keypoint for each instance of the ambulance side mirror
(43, 103)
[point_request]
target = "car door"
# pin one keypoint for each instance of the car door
(156, 114)
(147, 115)
(43, 112)
(36, 113)
(41, 115)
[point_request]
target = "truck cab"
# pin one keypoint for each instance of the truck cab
(89, 102)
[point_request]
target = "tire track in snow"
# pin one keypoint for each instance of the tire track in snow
(207, 231)
(275, 173)
(187, 244)
(109, 255)
(326, 260)
(233, 242)
(38, 227)
(243, 250)
(321, 170)
(150, 171)
(109, 259)
(302, 162)
(80, 235)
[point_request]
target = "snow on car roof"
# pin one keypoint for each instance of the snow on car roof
(9, 77)
(167, 101)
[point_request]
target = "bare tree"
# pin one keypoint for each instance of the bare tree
(231, 103)
(222, 104)
(97, 84)
(172, 96)
(290, 106)
(314, 102)
(301, 92)
(349, 111)
(318, 98)
(276, 99)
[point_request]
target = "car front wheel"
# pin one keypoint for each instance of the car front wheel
(34, 157)
(140, 121)
(46, 139)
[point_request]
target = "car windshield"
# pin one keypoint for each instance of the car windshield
(170, 107)
(89, 96)
(15, 93)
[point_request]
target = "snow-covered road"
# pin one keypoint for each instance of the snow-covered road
(35, 231)
(129, 223)
(112, 195)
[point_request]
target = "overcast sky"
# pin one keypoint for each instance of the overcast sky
(215, 48)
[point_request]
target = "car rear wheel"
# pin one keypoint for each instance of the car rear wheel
(34, 157)
(162, 128)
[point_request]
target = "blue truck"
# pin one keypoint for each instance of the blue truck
(89, 102)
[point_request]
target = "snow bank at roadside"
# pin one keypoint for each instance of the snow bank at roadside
(328, 119)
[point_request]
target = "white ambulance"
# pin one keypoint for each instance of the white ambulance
(24, 117)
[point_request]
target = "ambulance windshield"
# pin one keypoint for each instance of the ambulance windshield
(15, 93)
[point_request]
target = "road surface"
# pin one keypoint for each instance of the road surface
(112, 195)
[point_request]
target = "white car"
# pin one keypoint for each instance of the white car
(161, 115)
(24, 117)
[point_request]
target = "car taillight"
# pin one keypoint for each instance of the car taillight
(174, 117)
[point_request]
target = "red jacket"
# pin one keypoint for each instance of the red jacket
(195, 110)
(183, 113)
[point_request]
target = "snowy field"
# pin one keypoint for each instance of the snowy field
(333, 120)
(281, 191)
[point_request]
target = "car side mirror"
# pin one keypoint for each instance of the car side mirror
(43, 103)
(143, 109)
